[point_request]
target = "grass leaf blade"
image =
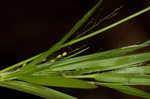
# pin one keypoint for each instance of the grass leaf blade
(123, 78)
(134, 70)
(57, 81)
(41, 91)
(128, 90)
(106, 64)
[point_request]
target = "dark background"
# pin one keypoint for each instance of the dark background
(30, 27)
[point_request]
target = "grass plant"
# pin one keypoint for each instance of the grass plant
(114, 68)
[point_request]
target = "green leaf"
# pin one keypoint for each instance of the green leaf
(34, 89)
(109, 53)
(106, 64)
(102, 55)
(136, 79)
(57, 81)
(128, 90)
(134, 70)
